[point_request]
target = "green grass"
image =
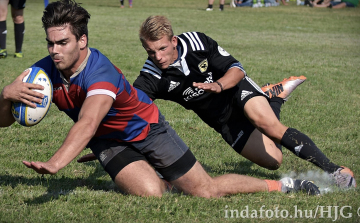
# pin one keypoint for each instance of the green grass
(272, 43)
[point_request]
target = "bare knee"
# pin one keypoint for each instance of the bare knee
(207, 191)
(273, 165)
(139, 178)
(145, 190)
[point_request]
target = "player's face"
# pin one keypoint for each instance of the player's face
(64, 50)
(162, 52)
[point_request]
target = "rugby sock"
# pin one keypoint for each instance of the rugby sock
(275, 104)
(19, 36)
(222, 7)
(273, 185)
(3, 33)
(303, 147)
(122, 2)
(210, 6)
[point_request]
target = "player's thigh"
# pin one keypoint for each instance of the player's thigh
(139, 178)
(196, 182)
(261, 150)
(127, 167)
(261, 115)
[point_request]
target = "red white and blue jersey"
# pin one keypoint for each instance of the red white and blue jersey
(132, 112)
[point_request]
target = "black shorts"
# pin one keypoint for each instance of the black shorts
(17, 4)
(237, 129)
(162, 148)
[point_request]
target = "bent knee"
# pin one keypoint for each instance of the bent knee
(146, 192)
(273, 165)
(275, 162)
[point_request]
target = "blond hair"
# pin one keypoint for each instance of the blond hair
(154, 28)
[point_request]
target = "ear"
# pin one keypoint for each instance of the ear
(83, 41)
(174, 41)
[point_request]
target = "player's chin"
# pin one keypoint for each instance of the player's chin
(163, 66)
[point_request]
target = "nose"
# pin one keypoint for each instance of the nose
(158, 56)
(55, 48)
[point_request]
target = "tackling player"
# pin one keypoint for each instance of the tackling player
(193, 70)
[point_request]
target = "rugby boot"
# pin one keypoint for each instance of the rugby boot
(295, 185)
(284, 88)
(3, 53)
(344, 178)
(19, 55)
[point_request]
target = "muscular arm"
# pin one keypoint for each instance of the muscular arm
(92, 112)
(229, 80)
(17, 91)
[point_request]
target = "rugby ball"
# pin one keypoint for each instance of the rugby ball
(26, 115)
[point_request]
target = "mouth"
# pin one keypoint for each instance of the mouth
(56, 60)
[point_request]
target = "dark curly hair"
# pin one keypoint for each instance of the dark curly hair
(67, 12)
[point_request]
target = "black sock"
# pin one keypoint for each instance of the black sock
(3, 34)
(275, 104)
(303, 147)
(210, 6)
(122, 2)
(222, 7)
(19, 36)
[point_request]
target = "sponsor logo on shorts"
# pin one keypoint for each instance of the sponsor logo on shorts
(241, 133)
(103, 156)
(245, 93)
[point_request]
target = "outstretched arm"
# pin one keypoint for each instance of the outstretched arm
(92, 112)
(229, 80)
(18, 91)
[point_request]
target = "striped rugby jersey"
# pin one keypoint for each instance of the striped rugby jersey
(201, 60)
(132, 111)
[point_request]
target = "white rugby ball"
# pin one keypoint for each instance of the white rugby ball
(24, 114)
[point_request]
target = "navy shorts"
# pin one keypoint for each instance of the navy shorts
(237, 129)
(163, 149)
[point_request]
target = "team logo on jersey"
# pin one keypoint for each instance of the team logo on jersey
(173, 85)
(203, 65)
(244, 94)
(223, 52)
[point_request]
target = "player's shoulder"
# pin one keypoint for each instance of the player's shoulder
(151, 69)
(194, 41)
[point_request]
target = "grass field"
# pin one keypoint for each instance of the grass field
(271, 43)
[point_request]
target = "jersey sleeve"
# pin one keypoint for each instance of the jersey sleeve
(105, 80)
(146, 83)
(219, 59)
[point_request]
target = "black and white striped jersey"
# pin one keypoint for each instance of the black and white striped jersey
(201, 60)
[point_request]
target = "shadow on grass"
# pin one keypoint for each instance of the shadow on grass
(58, 187)
(242, 168)
(61, 186)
